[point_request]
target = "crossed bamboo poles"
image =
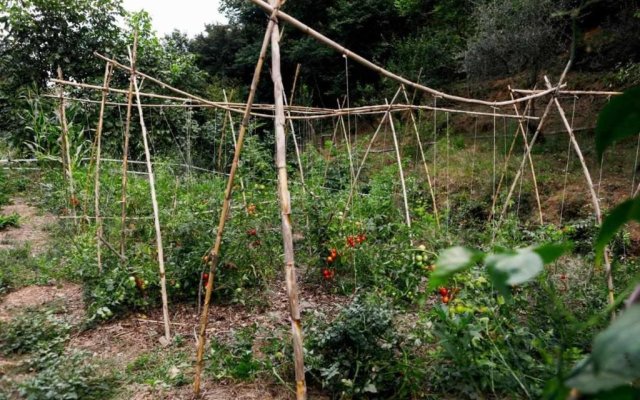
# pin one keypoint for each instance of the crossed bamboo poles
(307, 113)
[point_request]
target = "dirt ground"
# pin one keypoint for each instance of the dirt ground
(119, 342)
(32, 228)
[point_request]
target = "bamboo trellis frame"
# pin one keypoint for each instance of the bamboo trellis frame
(278, 110)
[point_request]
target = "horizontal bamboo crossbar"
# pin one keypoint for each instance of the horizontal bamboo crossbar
(571, 92)
(363, 61)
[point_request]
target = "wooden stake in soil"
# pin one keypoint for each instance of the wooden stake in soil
(594, 197)
(156, 216)
(533, 170)
(366, 153)
(96, 186)
(527, 152)
(215, 251)
(235, 143)
(65, 153)
(424, 160)
(125, 149)
(285, 213)
(399, 160)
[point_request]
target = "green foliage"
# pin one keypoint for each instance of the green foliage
(505, 267)
(354, 355)
(235, 359)
(11, 220)
(619, 119)
(511, 36)
(160, 367)
(615, 357)
(65, 376)
(42, 34)
(31, 331)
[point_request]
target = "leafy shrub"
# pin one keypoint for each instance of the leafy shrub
(355, 354)
(33, 330)
(234, 359)
(65, 376)
(11, 220)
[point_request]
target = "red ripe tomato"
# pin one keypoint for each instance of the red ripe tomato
(205, 276)
(443, 291)
(445, 299)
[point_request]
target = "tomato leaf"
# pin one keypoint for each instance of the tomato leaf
(619, 119)
(617, 218)
(452, 261)
(551, 251)
(615, 359)
(513, 268)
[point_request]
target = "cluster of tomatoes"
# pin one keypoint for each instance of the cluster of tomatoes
(327, 273)
(251, 209)
(445, 296)
(331, 258)
(352, 241)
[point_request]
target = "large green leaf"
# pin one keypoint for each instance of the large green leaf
(615, 359)
(551, 251)
(619, 119)
(451, 261)
(617, 218)
(515, 267)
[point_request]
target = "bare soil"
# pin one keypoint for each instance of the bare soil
(32, 228)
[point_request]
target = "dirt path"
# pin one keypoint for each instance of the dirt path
(120, 342)
(32, 228)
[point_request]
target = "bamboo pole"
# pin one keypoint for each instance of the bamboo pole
(347, 141)
(304, 113)
(215, 251)
(533, 170)
(125, 148)
(285, 212)
(235, 143)
(156, 215)
(594, 197)
(363, 61)
(366, 153)
(527, 152)
(96, 185)
(519, 129)
(65, 152)
(222, 136)
(424, 160)
(399, 160)
(295, 142)
(571, 92)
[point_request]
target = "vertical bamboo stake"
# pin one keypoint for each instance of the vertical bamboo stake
(399, 160)
(347, 141)
(215, 251)
(527, 152)
(96, 186)
(65, 153)
(520, 128)
(594, 197)
(526, 144)
(125, 149)
(366, 153)
(156, 215)
(424, 160)
(222, 137)
(285, 212)
(235, 143)
(295, 142)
